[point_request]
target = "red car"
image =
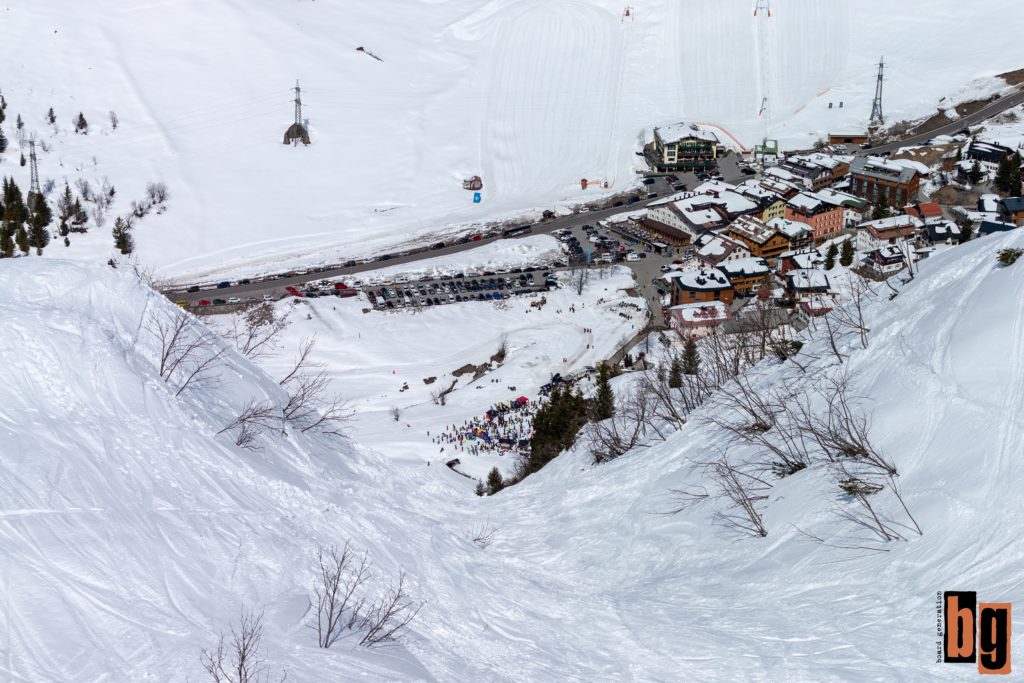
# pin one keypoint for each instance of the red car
(476, 238)
(204, 302)
(340, 285)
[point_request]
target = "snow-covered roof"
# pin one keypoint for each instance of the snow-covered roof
(703, 279)
(805, 278)
(681, 131)
(781, 174)
(804, 202)
(893, 223)
(989, 202)
(880, 167)
(706, 312)
(753, 229)
(745, 267)
(911, 164)
(717, 245)
(753, 188)
(837, 198)
(789, 228)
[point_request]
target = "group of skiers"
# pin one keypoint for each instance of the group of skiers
(506, 426)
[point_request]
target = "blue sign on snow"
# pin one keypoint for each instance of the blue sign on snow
(476, 197)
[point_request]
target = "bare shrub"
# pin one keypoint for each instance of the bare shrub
(396, 413)
(114, 120)
(309, 404)
(256, 332)
(340, 609)
(241, 659)
(252, 421)
(189, 352)
(340, 576)
(483, 534)
(156, 192)
(633, 425)
(744, 491)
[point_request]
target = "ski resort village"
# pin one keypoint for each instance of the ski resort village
(509, 340)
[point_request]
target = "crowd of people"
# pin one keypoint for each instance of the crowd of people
(505, 427)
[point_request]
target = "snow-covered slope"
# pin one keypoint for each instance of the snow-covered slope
(531, 95)
(131, 533)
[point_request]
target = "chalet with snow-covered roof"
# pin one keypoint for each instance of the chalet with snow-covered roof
(810, 307)
(989, 152)
(712, 249)
(853, 207)
(1012, 209)
(703, 285)
(826, 220)
(799, 234)
(800, 259)
(746, 275)
(761, 240)
(991, 227)
(943, 231)
(801, 283)
(693, 321)
(683, 147)
(924, 211)
(875, 234)
(885, 260)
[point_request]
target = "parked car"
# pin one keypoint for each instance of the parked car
(475, 238)
(437, 245)
(234, 300)
(223, 285)
(648, 181)
(632, 200)
(204, 302)
(194, 288)
(219, 302)
(267, 297)
(632, 256)
(584, 209)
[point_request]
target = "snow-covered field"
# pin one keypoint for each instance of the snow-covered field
(531, 95)
(131, 532)
(370, 356)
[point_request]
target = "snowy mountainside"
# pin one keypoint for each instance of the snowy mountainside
(131, 533)
(532, 96)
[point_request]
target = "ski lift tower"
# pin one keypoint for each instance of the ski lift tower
(876, 105)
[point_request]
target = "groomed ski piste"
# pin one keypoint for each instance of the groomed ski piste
(132, 533)
(532, 96)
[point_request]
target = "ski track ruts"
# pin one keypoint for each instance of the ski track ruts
(1010, 431)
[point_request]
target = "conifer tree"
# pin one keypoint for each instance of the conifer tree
(50, 116)
(691, 357)
(40, 216)
(974, 175)
(480, 488)
(65, 209)
(22, 162)
(12, 219)
(21, 239)
(494, 481)
(81, 125)
(830, 256)
(881, 209)
(3, 116)
(122, 233)
(19, 124)
(846, 257)
(3, 139)
(1002, 179)
(675, 374)
(604, 398)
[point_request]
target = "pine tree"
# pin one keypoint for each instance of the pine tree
(881, 209)
(40, 216)
(604, 398)
(12, 220)
(3, 116)
(974, 175)
(480, 488)
(1013, 182)
(19, 124)
(3, 139)
(1002, 179)
(494, 481)
(22, 162)
(65, 209)
(830, 256)
(81, 125)
(966, 231)
(21, 239)
(675, 374)
(122, 233)
(847, 254)
(691, 357)
(50, 116)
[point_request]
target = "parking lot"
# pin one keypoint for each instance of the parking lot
(428, 292)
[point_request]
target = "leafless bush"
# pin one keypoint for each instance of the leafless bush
(98, 216)
(744, 491)
(140, 209)
(499, 355)
(256, 332)
(439, 396)
(687, 498)
(389, 615)
(84, 189)
(849, 313)
(309, 404)
(634, 424)
(340, 608)
(157, 193)
(483, 534)
(579, 277)
(189, 352)
(252, 421)
(241, 659)
(396, 413)
(114, 120)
